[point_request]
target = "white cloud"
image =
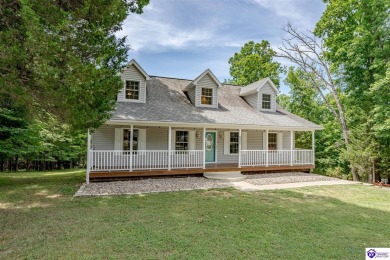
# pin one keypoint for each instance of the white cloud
(290, 9)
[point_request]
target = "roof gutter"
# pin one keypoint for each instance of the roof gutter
(201, 125)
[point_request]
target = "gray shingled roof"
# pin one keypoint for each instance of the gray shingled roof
(167, 102)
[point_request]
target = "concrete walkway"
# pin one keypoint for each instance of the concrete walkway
(245, 186)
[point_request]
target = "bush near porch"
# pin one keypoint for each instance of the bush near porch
(40, 218)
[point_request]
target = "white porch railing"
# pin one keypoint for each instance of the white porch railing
(108, 160)
(277, 157)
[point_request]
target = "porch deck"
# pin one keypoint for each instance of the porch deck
(215, 167)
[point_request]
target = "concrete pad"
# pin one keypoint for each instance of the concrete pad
(244, 186)
(225, 176)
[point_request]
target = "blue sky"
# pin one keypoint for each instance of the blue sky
(182, 38)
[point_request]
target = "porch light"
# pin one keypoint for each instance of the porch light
(197, 134)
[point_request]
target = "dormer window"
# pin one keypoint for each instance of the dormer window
(132, 90)
(266, 101)
(207, 96)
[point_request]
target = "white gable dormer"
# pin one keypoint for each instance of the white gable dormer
(134, 88)
(203, 91)
(261, 95)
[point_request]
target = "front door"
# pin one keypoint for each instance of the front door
(210, 146)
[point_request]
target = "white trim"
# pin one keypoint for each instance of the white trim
(139, 92)
(200, 125)
(88, 156)
(266, 147)
(239, 147)
(228, 146)
(212, 98)
(291, 147)
(313, 145)
(211, 74)
(131, 146)
(215, 148)
(169, 146)
(204, 147)
(135, 63)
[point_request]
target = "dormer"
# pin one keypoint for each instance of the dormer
(134, 78)
(203, 91)
(261, 95)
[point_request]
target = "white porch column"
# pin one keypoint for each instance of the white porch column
(266, 147)
(313, 145)
(131, 147)
(239, 148)
(204, 147)
(88, 156)
(291, 147)
(169, 147)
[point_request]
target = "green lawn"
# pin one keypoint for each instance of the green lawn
(40, 219)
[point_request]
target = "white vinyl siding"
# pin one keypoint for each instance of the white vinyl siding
(133, 74)
(206, 82)
(252, 100)
(283, 140)
(267, 89)
(191, 95)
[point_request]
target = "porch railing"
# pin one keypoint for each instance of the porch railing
(109, 160)
(277, 157)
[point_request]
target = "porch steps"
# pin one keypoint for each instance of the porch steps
(225, 176)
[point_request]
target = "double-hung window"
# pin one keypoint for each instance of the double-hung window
(207, 96)
(266, 101)
(272, 141)
(132, 90)
(127, 138)
(234, 140)
(181, 141)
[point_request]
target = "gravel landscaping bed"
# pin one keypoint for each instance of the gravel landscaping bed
(190, 183)
(286, 177)
(148, 186)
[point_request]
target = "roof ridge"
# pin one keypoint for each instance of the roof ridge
(154, 76)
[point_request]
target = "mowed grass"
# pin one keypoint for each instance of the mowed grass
(40, 219)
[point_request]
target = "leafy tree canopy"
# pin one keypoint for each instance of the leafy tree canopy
(254, 62)
(63, 57)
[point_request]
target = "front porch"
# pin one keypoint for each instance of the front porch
(108, 174)
(192, 151)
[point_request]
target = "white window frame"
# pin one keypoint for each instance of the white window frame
(139, 90)
(188, 138)
(238, 142)
(269, 102)
(276, 141)
(129, 129)
(212, 96)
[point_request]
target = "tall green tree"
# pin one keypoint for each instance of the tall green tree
(254, 62)
(356, 34)
(63, 57)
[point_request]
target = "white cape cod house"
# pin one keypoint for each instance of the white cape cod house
(168, 126)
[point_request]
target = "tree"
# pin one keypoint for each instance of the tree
(308, 53)
(63, 57)
(305, 101)
(357, 38)
(254, 62)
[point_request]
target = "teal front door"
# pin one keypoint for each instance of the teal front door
(210, 146)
